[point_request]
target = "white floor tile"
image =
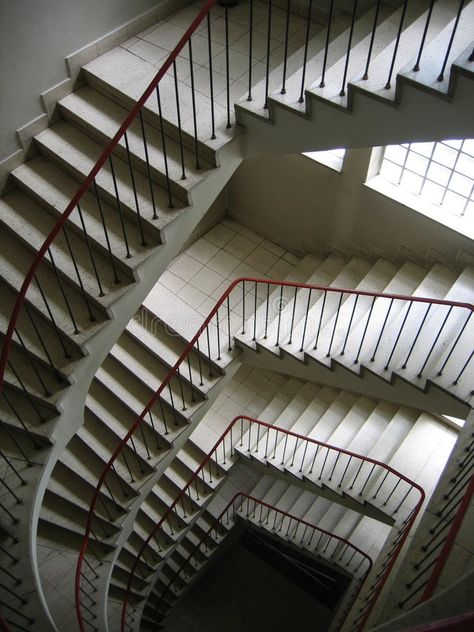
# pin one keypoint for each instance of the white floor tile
(206, 280)
(224, 263)
(185, 267)
(220, 235)
(240, 246)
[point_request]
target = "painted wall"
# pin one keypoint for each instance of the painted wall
(35, 38)
(313, 208)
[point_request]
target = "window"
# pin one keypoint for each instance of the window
(441, 173)
(332, 158)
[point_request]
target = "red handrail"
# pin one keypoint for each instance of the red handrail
(286, 514)
(448, 542)
(4, 625)
(214, 450)
(87, 183)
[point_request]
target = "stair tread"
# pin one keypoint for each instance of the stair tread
(54, 188)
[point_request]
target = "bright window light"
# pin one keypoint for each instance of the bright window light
(442, 173)
(332, 158)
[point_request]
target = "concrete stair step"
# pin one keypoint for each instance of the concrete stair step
(27, 416)
(77, 153)
(28, 223)
(150, 371)
(127, 86)
(438, 34)
(150, 332)
(53, 188)
(15, 261)
(100, 117)
(118, 418)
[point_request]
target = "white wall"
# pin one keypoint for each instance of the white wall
(308, 206)
(35, 38)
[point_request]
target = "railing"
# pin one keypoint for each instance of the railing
(215, 338)
(308, 536)
(364, 477)
(53, 315)
(457, 623)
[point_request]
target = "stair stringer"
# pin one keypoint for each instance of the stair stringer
(372, 121)
(174, 237)
(434, 399)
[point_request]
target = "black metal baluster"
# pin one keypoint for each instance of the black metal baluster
(285, 58)
(255, 313)
(31, 400)
(320, 320)
(61, 288)
(211, 78)
(440, 372)
(305, 54)
(350, 323)
(267, 66)
(365, 331)
(463, 369)
(39, 336)
(305, 320)
(398, 336)
(16, 444)
(31, 358)
(163, 143)
(92, 318)
(416, 67)
(89, 249)
(29, 434)
(372, 38)
(342, 93)
(106, 235)
(135, 194)
(178, 114)
(119, 205)
(451, 39)
(229, 336)
(249, 98)
(218, 336)
(292, 322)
(266, 312)
(243, 307)
(404, 365)
(382, 330)
(280, 303)
(335, 325)
(227, 69)
(193, 101)
(147, 160)
(388, 85)
(326, 48)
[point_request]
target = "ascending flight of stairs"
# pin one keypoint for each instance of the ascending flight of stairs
(91, 283)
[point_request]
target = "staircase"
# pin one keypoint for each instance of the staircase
(88, 268)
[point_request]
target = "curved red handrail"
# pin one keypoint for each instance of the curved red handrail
(448, 542)
(87, 183)
(215, 448)
(288, 515)
(4, 625)
(456, 623)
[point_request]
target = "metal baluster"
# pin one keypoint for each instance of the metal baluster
(326, 48)
(314, 458)
(305, 55)
(135, 195)
(440, 372)
(266, 312)
(372, 38)
(229, 335)
(451, 39)
(305, 320)
(382, 330)
(29, 434)
(255, 313)
(384, 478)
(280, 303)
(398, 336)
(404, 365)
(342, 93)
(89, 249)
(416, 67)
(292, 322)
(345, 470)
(119, 205)
(211, 78)
(218, 336)
(163, 143)
(106, 235)
(55, 327)
(30, 357)
(304, 456)
(201, 383)
(285, 58)
(16, 444)
(227, 72)
(323, 465)
(420, 372)
(267, 69)
(463, 369)
(367, 479)
(243, 307)
(249, 98)
(388, 85)
(193, 101)
(334, 466)
(209, 351)
(27, 393)
(320, 321)
(350, 323)
(147, 160)
(178, 114)
(61, 288)
(335, 324)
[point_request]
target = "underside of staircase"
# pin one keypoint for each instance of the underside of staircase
(84, 363)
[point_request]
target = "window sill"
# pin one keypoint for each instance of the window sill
(458, 223)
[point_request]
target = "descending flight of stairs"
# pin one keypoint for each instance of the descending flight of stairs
(94, 284)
